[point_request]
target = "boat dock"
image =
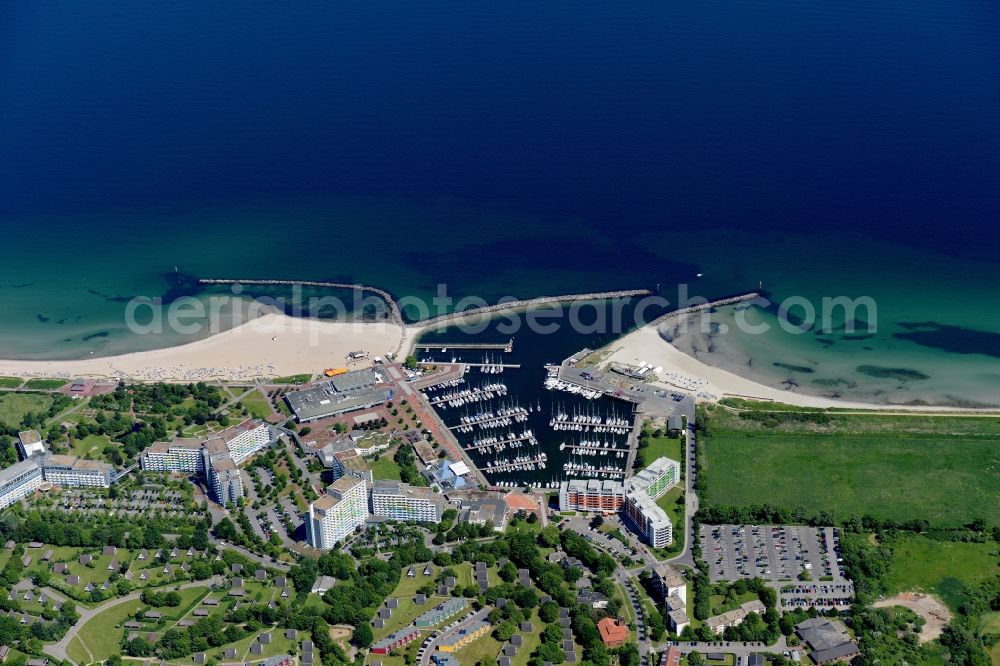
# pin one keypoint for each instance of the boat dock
(524, 465)
(578, 448)
(502, 442)
(517, 414)
(592, 472)
(492, 365)
(507, 347)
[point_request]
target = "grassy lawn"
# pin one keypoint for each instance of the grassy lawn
(10, 382)
(102, 634)
(90, 446)
(531, 641)
(660, 447)
(77, 652)
(257, 404)
(942, 567)
(990, 623)
(292, 379)
(13, 406)
(385, 468)
(481, 648)
(407, 611)
(45, 384)
(994, 653)
(278, 645)
(899, 468)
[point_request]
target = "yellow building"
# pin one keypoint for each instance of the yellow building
(458, 640)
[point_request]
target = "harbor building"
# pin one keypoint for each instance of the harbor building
(344, 393)
(399, 501)
(70, 471)
(659, 477)
(18, 481)
(591, 495)
(223, 477)
(336, 514)
(30, 443)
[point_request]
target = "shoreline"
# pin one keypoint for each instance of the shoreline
(268, 346)
(276, 344)
(710, 383)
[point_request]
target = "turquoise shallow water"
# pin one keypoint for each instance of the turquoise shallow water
(514, 149)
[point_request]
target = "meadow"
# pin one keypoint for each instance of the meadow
(944, 568)
(942, 469)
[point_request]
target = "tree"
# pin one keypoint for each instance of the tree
(411, 362)
(597, 521)
(363, 636)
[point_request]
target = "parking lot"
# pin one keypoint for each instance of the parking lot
(779, 553)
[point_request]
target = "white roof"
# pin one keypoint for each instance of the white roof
(459, 468)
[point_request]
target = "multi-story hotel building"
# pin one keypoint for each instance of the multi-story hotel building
(30, 443)
(336, 514)
(179, 455)
(246, 439)
(70, 471)
(659, 477)
(640, 508)
(18, 481)
(215, 458)
(399, 501)
(647, 518)
(591, 495)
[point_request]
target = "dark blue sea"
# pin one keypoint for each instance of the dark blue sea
(504, 148)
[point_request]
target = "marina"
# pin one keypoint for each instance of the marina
(526, 435)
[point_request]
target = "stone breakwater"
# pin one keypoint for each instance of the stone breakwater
(530, 302)
(740, 298)
(395, 313)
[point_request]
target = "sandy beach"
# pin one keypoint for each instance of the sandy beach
(272, 345)
(679, 370)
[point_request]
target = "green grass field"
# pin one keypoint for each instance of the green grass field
(990, 623)
(385, 468)
(10, 382)
(90, 446)
(292, 379)
(257, 404)
(101, 635)
(662, 446)
(941, 567)
(13, 406)
(944, 469)
(45, 384)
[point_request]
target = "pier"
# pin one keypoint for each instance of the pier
(523, 466)
(577, 448)
(397, 316)
(530, 302)
(503, 442)
(507, 347)
(729, 300)
(490, 365)
(491, 421)
(591, 472)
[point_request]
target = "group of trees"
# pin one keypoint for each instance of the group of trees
(408, 466)
(161, 599)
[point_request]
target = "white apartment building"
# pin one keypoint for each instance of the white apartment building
(246, 439)
(30, 443)
(179, 455)
(649, 520)
(215, 458)
(336, 514)
(70, 471)
(399, 501)
(18, 481)
(659, 476)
